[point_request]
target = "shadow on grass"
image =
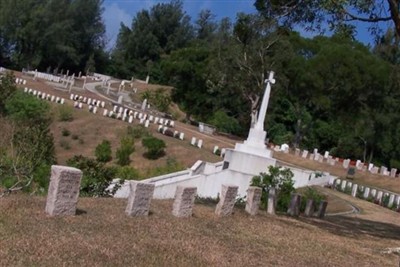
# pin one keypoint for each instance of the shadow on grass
(355, 227)
(80, 212)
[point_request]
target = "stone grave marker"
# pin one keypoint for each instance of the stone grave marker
(253, 200)
(343, 186)
(130, 120)
(271, 201)
(227, 200)
(294, 206)
(354, 190)
(105, 112)
(366, 192)
(184, 201)
(309, 211)
(322, 209)
(63, 191)
(193, 141)
(181, 136)
(391, 201)
(139, 198)
(304, 154)
(215, 149)
(393, 172)
(297, 152)
(147, 124)
(200, 143)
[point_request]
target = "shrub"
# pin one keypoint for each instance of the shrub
(127, 173)
(65, 113)
(65, 132)
(155, 147)
(172, 166)
(225, 123)
(137, 132)
(75, 137)
(96, 176)
(125, 150)
(311, 193)
(282, 180)
(103, 151)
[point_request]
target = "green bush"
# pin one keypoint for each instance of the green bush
(225, 123)
(172, 165)
(65, 132)
(155, 147)
(127, 173)
(103, 151)
(75, 137)
(311, 193)
(282, 180)
(137, 132)
(125, 150)
(65, 113)
(96, 176)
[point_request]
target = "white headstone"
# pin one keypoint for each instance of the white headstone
(147, 124)
(130, 120)
(200, 143)
(181, 136)
(105, 112)
(193, 142)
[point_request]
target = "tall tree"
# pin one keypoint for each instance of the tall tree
(317, 13)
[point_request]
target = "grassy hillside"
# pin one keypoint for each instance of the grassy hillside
(102, 235)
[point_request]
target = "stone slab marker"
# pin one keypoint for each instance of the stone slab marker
(309, 211)
(271, 201)
(322, 209)
(184, 201)
(294, 206)
(227, 200)
(391, 201)
(139, 199)
(63, 193)
(366, 192)
(253, 200)
(354, 190)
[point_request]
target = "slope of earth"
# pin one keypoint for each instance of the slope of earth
(102, 235)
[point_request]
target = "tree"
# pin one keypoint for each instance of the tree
(38, 34)
(103, 151)
(155, 147)
(279, 178)
(314, 14)
(153, 33)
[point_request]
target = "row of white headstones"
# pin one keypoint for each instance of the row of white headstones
(44, 96)
(128, 115)
(368, 192)
(326, 158)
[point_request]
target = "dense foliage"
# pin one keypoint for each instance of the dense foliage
(26, 144)
(155, 147)
(103, 151)
(332, 93)
(279, 178)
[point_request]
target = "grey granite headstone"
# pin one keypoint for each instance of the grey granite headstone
(63, 190)
(322, 209)
(294, 206)
(139, 198)
(309, 211)
(253, 200)
(184, 201)
(227, 200)
(271, 201)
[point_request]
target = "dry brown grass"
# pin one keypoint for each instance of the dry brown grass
(101, 235)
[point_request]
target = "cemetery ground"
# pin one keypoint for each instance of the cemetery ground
(102, 235)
